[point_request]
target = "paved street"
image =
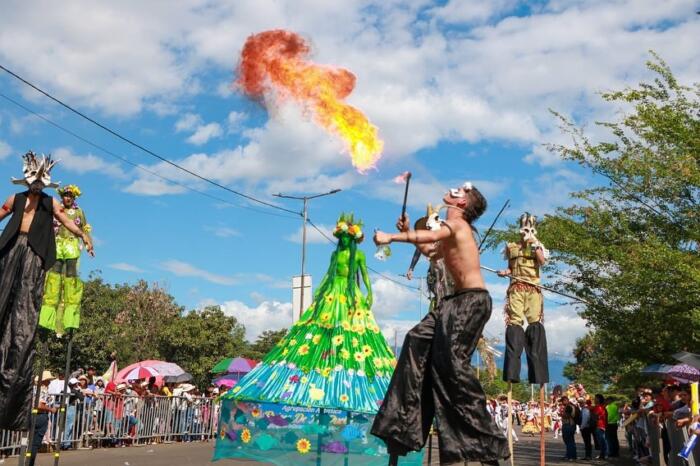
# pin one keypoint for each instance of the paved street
(195, 454)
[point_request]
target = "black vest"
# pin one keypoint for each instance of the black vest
(41, 235)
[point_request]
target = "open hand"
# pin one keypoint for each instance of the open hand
(381, 238)
(409, 275)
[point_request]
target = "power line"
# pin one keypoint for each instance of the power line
(142, 148)
(135, 165)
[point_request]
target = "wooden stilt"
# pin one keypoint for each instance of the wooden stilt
(510, 423)
(65, 400)
(542, 424)
(25, 450)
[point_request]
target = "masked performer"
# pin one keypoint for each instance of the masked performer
(64, 289)
(27, 251)
(524, 303)
(433, 377)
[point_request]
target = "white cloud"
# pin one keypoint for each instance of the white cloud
(222, 232)
(234, 121)
(188, 122)
(492, 78)
(87, 163)
(472, 11)
(267, 315)
(391, 299)
(312, 235)
(201, 132)
(183, 269)
(149, 185)
(124, 267)
(5, 149)
(204, 133)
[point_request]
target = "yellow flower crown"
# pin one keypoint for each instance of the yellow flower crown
(72, 188)
(347, 226)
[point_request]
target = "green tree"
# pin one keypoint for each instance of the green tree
(264, 343)
(199, 339)
(629, 247)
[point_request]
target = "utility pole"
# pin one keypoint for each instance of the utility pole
(305, 215)
(420, 295)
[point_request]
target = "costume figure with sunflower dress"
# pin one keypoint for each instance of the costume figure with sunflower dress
(63, 291)
(312, 398)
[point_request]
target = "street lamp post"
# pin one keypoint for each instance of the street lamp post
(305, 215)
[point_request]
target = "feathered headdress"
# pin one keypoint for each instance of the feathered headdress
(36, 169)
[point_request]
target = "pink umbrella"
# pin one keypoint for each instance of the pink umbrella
(161, 368)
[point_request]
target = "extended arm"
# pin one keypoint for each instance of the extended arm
(362, 264)
(72, 227)
(413, 236)
(6, 208)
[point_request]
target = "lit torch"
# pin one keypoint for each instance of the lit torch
(274, 67)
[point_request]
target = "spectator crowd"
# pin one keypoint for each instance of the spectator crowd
(656, 423)
(102, 413)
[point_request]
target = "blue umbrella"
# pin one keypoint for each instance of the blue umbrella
(657, 369)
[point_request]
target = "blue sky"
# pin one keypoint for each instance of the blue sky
(459, 90)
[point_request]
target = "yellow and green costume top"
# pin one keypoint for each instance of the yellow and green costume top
(524, 301)
(63, 290)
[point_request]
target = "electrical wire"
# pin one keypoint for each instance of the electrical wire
(142, 148)
(135, 165)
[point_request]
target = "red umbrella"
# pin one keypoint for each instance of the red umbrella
(140, 373)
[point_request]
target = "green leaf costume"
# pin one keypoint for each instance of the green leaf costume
(63, 290)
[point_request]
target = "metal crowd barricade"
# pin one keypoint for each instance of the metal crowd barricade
(113, 419)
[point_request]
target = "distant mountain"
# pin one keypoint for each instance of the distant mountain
(556, 369)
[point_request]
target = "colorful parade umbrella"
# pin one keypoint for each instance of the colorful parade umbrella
(685, 372)
(159, 369)
(234, 365)
(184, 377)
(139, 373)
(659, 370)
(691, 359)
(228, 380)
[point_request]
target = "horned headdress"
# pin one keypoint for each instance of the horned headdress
(528, 225)
(36, 169)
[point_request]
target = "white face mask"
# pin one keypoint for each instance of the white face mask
(461, 191)
(528, 233)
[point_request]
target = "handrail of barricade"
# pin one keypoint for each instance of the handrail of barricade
(110, 419)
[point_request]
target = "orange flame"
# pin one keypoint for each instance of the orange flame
(274, 66)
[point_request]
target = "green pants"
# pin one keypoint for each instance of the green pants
(63, 293)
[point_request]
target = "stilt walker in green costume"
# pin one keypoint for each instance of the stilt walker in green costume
(63, 291)
(312, 399)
